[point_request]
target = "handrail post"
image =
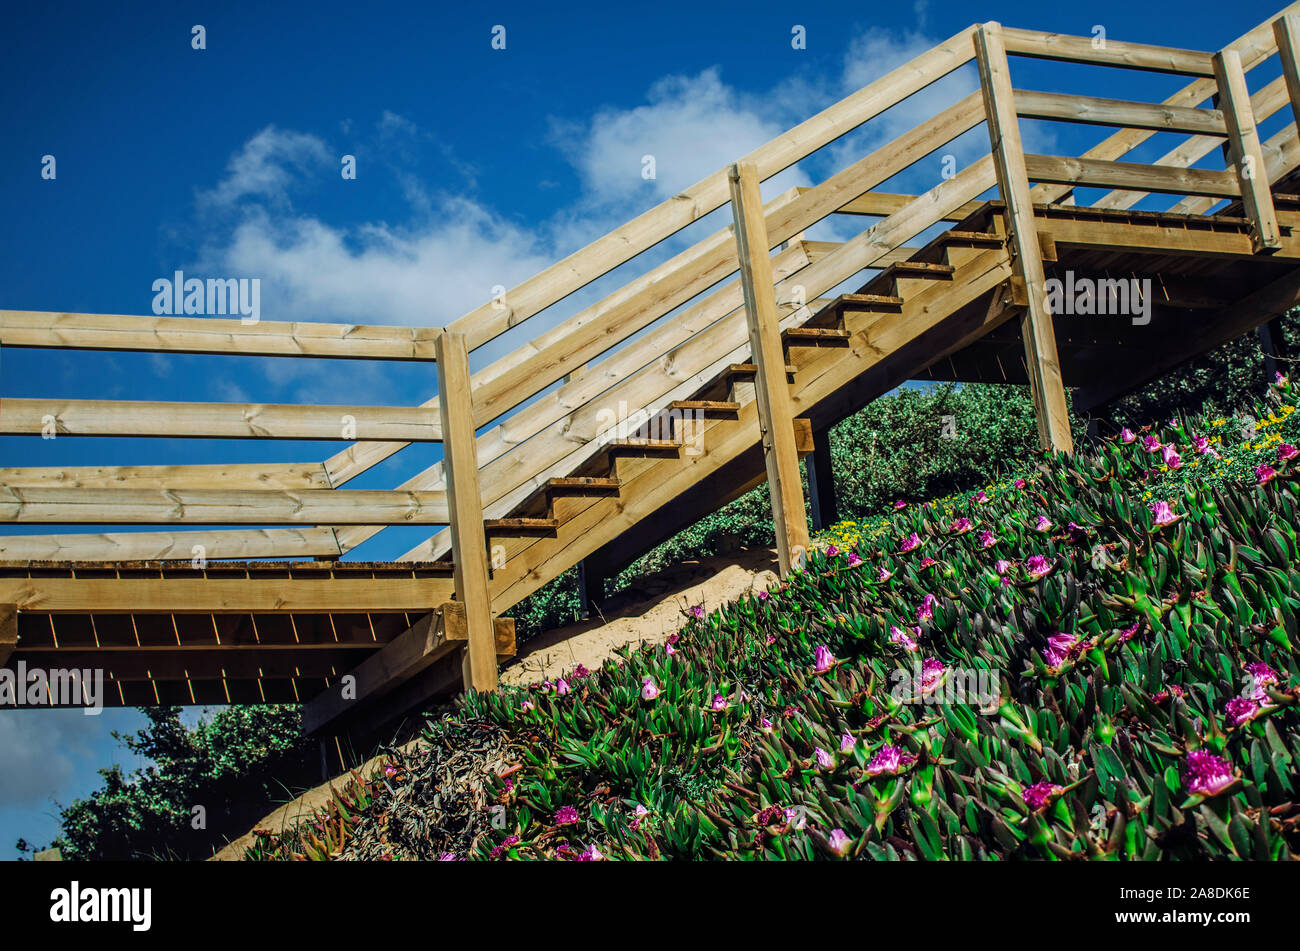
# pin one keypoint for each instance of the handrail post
(775, 408)
(1286, 31)
(1247, 155)
(1041, 360)
(468, 540)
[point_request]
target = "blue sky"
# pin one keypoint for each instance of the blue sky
(475, 167)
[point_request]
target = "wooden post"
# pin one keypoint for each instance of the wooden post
(1247, 156)
(8, 632)
(775, 409)
(468, 541)
(821, 483)
(1286, 30)
(1050, 407)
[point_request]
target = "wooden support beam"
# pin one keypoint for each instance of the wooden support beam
(64, 506)
(1050, 405)
(199, 595)
(468, 539)
(60, 417)
(1090, 110)
(165, 546)
(821, 482)
(1099, 173)
(775, 409)
(307, 475)
(1083, 49)
(8, 631)
(1286, 30)
(1247, 155)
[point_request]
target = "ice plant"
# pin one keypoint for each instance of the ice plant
(566, 816)
(840, 843)
(824, 660)
(1058, 649)
(824, 759)
(832, 552)
(1037, 566)
(1043, 524)
(1164, 515)
(1262, 677)
(899, 505)
(648, 689)
(1287, 451)
(898, 636)
(719, 702)
(889, 759)
(847, 742)
(960, 526)
(1039, 795)
(1265, 474)
(884, 574)
(1021, 483)
(1202, 444)
(1151, 444)
(854, 559)
(911, 543)
(1207, 774)
(987, 540)
(1240, 710)
(562, 686)
(698, 610)
(1172, 459)
(925, 610)
(932, 670)
(1127, 435)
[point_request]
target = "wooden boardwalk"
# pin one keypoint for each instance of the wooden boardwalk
(700, 378)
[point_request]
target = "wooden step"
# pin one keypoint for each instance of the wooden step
(723, 407)
(920, 269)
(970, 239)
(750, 369)
(815, 337)
(637, 446)
(521, 526)
(583, 485)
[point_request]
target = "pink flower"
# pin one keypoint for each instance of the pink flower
(927, 563)
(825, 660)
(1128, 632)
(986, 539)
(932, 670)
(1058, 649)
(762, 595)
(960, 526)
(980, 496)
(840, 843)
(889, 759)
(590, 854)
(390, 771)
(925, 610)
(824, 759)
(1036, 566)
(566, 816)
(911, 543)
(719, 702)
(1207, 774)
(847, 743)
(527, 705)
(854, 559)
(765, 725)
(648, 689)
(1001, 566)
(1127, 435)
(795, 819)
(832, 551)
(1240, 710)
(1265, 474)
(898, 636)
(670, 650)
(1202, 444)
(884, 574)
(1287, 451)
(1151, 444)
(1164, 515)
(1020, 483)
(1039, 795)
(1042, 525)
(900, 505)
(698, 610)
(1279, 379)
(1262, 677)
(506, 844)
(562, 686)
(1172, 459)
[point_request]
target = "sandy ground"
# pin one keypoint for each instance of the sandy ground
(651, 613)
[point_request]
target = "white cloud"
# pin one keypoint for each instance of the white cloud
(265, 168)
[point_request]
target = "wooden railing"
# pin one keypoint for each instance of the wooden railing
(656, 339)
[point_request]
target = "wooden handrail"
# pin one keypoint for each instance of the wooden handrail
(1102, 51)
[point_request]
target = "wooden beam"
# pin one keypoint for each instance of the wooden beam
(1083, 49)
(1050, 406)
(1244, 147)
(308, 475)
(8, 631)
(165, 546)
(884, 204)
(1286, 30)
(469, 542)
(217, 595)
(63, 506)
(214, 335)
(1089, 110)
(771, 389)
(821, 482)
(1099, 173)
(60, 417)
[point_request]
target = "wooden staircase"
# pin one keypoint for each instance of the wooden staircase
(625, 421)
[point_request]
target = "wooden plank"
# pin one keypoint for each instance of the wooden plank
(214, 335)
(1286, 31)
(884, 204)
(621, 245)
(1050, 406)
(771, 389)
(63, 506)
(186, 546)
(1081, 49)
(214, 595)
(464, 498)
(8, 631)
(310, 475)
(1281, 156)
(35, 417)
(1090, 110)
(1246, 155)
(1099, 173)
